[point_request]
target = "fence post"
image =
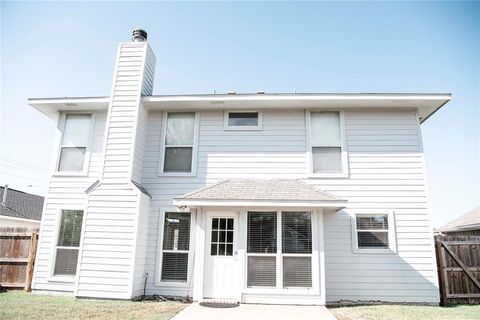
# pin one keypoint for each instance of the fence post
(31, 261)
(441, 272)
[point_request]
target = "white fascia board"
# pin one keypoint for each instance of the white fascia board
(3, 217)
(427, 104)
(194, 203)
(51, 107)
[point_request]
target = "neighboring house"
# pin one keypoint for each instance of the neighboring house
(261, 198)
(19, 209)
(467, 224)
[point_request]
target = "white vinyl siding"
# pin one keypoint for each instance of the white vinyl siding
(386, 171)
(65, 191)
(74, 147)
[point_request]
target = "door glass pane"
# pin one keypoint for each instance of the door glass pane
(76, 132)
(180, 127)
(325, 128)
(296, 232)
(222, 237)
(71, 159)
(262, 232)
(327, 159)
(178, 159)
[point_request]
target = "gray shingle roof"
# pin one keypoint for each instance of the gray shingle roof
(253, 189)
(468, 221)
(21, 205)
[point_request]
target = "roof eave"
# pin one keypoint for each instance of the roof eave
(52, 107)
(194, 203)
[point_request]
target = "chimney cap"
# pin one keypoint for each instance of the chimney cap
(139, 35)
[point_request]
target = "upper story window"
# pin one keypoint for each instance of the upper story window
(243, 120)
(374, 233)
(179, 143)
(75, 143)
(328, 154)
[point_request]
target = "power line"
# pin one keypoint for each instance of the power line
(23, 163)
(22, 167)
(29, 178)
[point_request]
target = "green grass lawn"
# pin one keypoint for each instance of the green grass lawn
(22, 305)
(402, 312)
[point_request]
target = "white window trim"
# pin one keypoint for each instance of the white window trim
(344, 152)
(64, 278)
(226, 126)
(392, 241)
(163, 138)
(86, 161)
(191, 253)
(314, 290)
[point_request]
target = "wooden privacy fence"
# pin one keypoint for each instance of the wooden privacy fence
(458, 259)
(17, 257)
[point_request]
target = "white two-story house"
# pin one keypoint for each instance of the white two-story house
(259, 198)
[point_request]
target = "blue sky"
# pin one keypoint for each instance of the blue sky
(68, 49)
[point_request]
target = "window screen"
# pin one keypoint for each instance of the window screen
(243, 119)
(75, 138)
(179, 141)
(68, 242)
(372, 231)
(326, 142)
(176, 243)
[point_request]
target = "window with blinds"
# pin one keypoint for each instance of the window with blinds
(297, 249)
(292, 248)
(261, 249)
(68, 242)
(372, 231)
(175, 248)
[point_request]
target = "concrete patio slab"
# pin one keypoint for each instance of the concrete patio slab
(255, 311)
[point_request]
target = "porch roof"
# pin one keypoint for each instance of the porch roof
(260, 192)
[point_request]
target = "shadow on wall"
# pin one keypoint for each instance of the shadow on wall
(408, 275)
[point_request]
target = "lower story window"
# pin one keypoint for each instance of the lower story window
(68, 242)
(175, 249)
(289, 252)
(372, 231)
